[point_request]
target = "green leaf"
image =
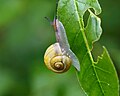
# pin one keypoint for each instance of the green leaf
(96, 78)
(93, 29)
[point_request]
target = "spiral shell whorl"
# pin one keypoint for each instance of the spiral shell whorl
(55, 60)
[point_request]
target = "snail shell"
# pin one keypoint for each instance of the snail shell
(56, 60)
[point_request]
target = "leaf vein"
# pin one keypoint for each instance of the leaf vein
(102, 69)
(85, 40)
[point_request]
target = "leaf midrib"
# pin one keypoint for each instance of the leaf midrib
(87, 46)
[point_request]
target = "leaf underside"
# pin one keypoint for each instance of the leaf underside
(96, 78)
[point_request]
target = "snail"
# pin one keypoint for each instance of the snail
(58, 56)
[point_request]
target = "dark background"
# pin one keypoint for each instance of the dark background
(24, 37)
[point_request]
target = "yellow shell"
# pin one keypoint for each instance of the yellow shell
(55, 60)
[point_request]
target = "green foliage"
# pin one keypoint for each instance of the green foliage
(96, 78)
(24, 37)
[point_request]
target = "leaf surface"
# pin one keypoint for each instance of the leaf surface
(96, 78)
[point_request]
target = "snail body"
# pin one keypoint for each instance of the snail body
(56, 60)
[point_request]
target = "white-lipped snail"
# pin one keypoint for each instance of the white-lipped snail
(59, 57)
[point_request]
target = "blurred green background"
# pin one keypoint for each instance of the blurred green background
(24, 37)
